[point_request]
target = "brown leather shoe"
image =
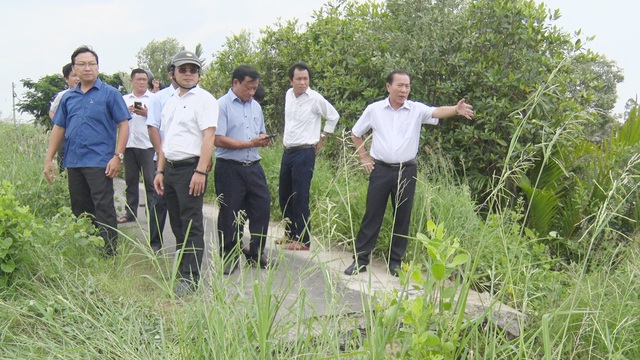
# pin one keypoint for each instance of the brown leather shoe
(124, 219)
(297, 246)
(284, 240)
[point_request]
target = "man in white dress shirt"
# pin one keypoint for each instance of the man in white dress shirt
(395, 123)
(138, 156)
(189, 120)
(304, 110)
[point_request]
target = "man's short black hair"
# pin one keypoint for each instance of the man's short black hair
(66, 70)
(83, 49)
(243, 71)
(301, 66)
(393, 73)
(138, 71)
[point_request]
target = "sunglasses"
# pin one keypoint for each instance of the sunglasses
(184, 70)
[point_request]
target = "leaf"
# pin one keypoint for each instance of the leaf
(432, 339)
(459, 260)
(416, 307)
(439, 271)
(9, 266)
(448, 292)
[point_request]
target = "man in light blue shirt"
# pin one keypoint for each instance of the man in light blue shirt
(241, 184)
(158, 208)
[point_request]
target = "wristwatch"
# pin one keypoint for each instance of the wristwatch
(119, 155)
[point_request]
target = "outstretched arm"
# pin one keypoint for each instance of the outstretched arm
(461, 108)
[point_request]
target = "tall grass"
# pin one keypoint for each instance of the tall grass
(70, 304)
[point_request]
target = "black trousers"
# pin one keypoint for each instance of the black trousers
(296, 172)
(240, 188)
(399, 183)
(138, 161)
(91, 192)
(185, 215)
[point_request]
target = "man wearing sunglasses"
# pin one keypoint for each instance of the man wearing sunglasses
(189, 119)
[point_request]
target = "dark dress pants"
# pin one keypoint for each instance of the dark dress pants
(296, 172)
(241, 187)
(185, 215)
(91, 192)
(138, 161)
(399, 183)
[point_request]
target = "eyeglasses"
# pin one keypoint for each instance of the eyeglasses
(184, 70)
(84, 65)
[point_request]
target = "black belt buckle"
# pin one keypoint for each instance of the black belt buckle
(299, 147)
(247, 163)
(411, 162)
(185, 162)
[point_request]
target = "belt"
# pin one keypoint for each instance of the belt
(411, 162)
(299, 147)
(236, 162)
(184, 162)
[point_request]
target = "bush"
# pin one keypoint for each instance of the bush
(16, 237)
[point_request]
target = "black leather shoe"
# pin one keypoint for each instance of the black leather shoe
(231, 265)
(354, 269)
(394, 269)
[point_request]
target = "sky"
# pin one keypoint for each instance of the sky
(38, 36)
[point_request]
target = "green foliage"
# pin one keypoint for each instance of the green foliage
(569, 184)
(22, 166)
(237, 50)
(427, 325)
(117, 80)
(16, 226)
(156, 55)
(506, 57)
(37, 99)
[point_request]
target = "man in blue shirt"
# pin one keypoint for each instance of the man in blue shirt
(92, 121)
(241, 184)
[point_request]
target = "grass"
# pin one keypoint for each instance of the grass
(67, 303)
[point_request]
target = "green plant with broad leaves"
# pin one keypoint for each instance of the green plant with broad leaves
(427, 325)
(16, 223)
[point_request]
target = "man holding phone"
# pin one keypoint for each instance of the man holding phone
(138, 156)
(303, 112)
(241, 184)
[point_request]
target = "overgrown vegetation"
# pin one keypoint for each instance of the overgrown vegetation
(535, 203)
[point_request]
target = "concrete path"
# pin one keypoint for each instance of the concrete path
(312, 282)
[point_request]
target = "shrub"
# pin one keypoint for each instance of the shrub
(16, 224)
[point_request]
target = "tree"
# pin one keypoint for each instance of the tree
(37, 99)
(157, 55)
(525, 77)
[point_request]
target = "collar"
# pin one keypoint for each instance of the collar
(235, 97)
(147, 93)
(98, 84)
(406, 105)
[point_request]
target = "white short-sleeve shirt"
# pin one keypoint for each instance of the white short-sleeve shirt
(396, 133)
(138, 134)
(183, 120)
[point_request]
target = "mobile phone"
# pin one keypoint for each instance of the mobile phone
(270, 136)
(137, 104)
